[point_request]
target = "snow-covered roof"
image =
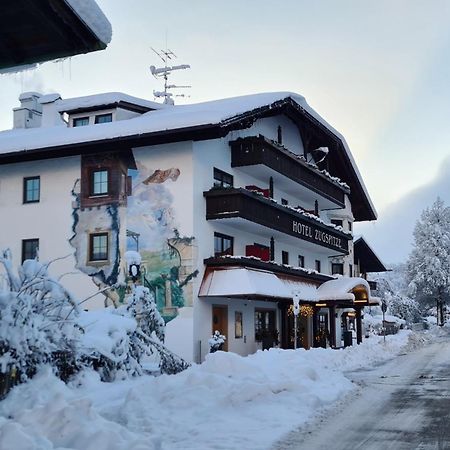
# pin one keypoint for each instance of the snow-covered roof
(219, 113)
(90, 13)
(108, 98)
(341, 288)
(242, 282)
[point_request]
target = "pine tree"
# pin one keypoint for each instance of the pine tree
(429, 261)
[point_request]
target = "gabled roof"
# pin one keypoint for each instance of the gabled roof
(366, 257)
(200, 121)
(33, 31)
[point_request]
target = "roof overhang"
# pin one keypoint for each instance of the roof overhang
(35, 31)
(366, 258)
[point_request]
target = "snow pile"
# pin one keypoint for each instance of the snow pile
(227, 402)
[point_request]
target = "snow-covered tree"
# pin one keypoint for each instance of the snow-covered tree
(392, 288)
(429, 261)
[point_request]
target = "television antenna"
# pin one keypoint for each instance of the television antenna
(163, 72)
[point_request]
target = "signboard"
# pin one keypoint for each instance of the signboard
(314, 234)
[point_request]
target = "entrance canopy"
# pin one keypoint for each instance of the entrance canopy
(239, 282)
(256, 284)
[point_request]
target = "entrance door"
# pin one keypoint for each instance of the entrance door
(220, 323)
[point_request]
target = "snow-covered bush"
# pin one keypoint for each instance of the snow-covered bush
(38, 319)
(120, 342)
(216, 341)
(41, 323)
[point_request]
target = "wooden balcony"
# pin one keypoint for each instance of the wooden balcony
(226, 203)
(257, 150)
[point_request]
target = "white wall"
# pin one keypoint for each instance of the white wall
(50, 220)
(217, 153)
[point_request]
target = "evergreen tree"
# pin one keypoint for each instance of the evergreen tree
(429, 261)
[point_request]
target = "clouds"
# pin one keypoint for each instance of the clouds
(392, 235)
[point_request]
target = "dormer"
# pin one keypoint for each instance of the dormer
(103, 108)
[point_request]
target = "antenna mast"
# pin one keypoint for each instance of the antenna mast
(164, 72)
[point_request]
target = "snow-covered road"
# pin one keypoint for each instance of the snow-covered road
(403, 404)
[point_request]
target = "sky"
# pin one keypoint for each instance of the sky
(378, 71)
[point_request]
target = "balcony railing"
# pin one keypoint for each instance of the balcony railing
(256, 150)
(224, 203)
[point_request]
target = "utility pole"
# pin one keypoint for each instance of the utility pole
(384, 309)
(296, 301)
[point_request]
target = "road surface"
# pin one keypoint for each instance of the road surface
(403, 405)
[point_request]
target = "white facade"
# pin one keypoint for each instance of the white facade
(165, 218)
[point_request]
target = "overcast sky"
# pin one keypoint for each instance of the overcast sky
(377, 70)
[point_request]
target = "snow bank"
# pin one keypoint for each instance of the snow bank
(227, 402)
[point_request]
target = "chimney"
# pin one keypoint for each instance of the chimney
(29, 114)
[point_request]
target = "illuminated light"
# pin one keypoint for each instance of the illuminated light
(321, 304)
(360, 301)
(306, 311)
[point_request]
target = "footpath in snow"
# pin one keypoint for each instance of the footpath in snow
(228, 402)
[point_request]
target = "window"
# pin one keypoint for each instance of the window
(103, 118)
(284, 202)
(350, 226)
(350, 270)
(80, 121)
(31, 189)
(30, 249)
(337, 269)
(301, 261)
(279, 135)
(337, 222)
(99, 182)
(285, 257)
(223, 244)
(318, 265)
(222, 179)
(238, 332)
(98, 247)
(264, 324)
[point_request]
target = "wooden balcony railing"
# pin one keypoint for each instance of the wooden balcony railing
(222, 203)
(256, 150)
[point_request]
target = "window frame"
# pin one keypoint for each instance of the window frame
(25, 190)
(98, 116)
(76, 119)
(223, 237)
(92, 183)
(36, 248)
(339, 266)
(318, 265)
(92, 236)
(218, 179)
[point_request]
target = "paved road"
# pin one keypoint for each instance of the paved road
(402, 405)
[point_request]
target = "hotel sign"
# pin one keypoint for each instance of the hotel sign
(318, 236)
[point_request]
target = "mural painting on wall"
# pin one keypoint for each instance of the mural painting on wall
(91, 220)
(167, 257)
